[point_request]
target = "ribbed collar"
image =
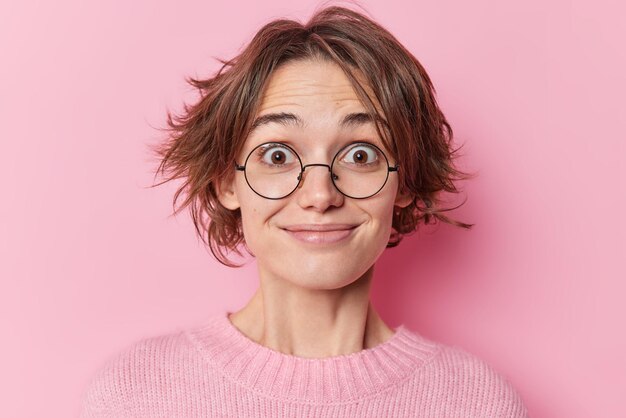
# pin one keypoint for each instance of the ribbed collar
(340, 378)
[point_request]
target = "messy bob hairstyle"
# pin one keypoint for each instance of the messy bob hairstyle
(204, 141)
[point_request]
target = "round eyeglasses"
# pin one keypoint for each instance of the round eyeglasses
(274, 170)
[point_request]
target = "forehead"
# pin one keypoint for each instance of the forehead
(315, 89)
(315, 98)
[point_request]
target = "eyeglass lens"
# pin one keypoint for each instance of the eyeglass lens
(359, 170)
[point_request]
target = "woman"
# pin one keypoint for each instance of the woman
(316, 148)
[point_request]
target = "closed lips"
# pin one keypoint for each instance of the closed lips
(321, 234)
(319, 227)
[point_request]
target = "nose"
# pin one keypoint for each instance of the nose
(317, 190)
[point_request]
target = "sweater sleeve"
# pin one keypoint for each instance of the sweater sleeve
(139, 380)
(473, 388)
(119, 388)
(104, 394)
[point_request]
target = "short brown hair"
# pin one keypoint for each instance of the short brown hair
(205, 139)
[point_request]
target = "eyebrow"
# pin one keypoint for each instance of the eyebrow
(290, 119)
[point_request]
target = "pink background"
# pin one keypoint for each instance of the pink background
(90, 261)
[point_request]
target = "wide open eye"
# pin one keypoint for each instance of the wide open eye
(361, 155)
(276, 154)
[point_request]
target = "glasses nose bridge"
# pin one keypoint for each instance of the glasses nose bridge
(304, 167)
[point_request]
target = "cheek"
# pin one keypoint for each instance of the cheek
(386, 218)
(381, 216)
(251, 221)
(381, 207)
(256, 215)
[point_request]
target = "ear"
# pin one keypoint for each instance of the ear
(403, 198)
(225, 190)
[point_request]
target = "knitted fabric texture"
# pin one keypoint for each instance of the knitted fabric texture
(214, 370)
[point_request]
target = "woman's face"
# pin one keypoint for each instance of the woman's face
(284, 234)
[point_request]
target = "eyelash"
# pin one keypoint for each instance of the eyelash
(350, 147)
(289, 146)
(261, 151)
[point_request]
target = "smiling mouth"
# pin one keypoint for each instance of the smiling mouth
(320, 234)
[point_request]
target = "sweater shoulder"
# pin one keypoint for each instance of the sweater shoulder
(471, 385)
(128, 376)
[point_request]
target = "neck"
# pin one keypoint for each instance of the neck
(312, 323)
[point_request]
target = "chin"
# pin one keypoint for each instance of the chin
(317, 282)
(323, 273)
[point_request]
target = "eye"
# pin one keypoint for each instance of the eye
(276, 154)
(361, 154)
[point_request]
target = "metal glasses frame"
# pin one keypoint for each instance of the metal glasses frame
(333, 176)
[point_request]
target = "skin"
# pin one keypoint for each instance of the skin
(313, 299)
